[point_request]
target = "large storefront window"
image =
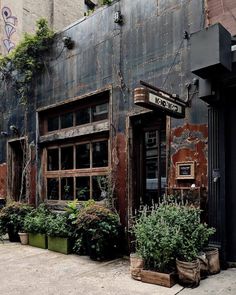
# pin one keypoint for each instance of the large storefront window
(73, 165)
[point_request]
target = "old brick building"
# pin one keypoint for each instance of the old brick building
(124, 101)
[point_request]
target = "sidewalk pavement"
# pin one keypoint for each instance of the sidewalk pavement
(28, 270)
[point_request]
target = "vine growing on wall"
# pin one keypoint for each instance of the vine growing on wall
(18, 70)
(21, 65)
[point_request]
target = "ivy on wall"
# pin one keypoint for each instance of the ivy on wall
(21, 65)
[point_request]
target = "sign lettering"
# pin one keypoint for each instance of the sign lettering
(165, 104)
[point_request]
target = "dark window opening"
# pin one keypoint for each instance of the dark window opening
(53, 159)
(83, 116)
(83, 188)
(100, 112)
(52, 188)
(99, 189)
(67, 158)
(100, 154)
(67, 188)
(67, 120)
(53, 123)
(83, 156)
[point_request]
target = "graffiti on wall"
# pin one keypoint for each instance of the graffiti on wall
(10, 23)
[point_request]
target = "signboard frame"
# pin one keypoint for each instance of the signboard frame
(185, 170)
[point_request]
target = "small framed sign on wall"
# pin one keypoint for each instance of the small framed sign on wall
(185, 170)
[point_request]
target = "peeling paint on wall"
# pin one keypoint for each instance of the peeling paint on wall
(3, 180)
(189, 143)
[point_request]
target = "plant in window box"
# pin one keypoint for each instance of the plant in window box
(98, 232)
(35, 224)
(58, 232)
(12, 219)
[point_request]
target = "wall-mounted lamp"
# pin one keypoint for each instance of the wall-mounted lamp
(14, 129)
(4, 133)
(118, 18)
(68, 42)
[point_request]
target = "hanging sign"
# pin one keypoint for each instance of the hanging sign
(158, 100)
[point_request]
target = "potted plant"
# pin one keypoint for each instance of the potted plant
(12, 219)
(98, 232)
(58, 232)
(35, 224)
(193, 235)
(156, 243)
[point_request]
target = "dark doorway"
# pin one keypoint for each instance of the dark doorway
(230, 198)
(15, 170)
(149, 159)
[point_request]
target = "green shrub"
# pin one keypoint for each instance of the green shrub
(57, 226)
(167, 232)
(98, 232)
(12, 217)
(36, 221)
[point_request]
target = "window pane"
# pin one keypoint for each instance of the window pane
(67, 188)
(52, 189)
(53, 123)
(67, 120)
(83, 116)
(53, 159)
(82, 188)
(67, 158)
(100, 154)
(83, 156)
(100, 112)
(99, 188)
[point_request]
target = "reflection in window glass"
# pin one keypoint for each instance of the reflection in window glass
(67, 120)
(100, 154)
(83, 156)
(100, 112)
(82, 188)
(67, 158)
(53, 123)
(52, 189)
(83, 116)
(67, 188)
(53, 159)
(99, 188)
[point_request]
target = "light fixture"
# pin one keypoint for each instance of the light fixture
(14, 129)
(118, 17)
(68, 42)
(4, 133)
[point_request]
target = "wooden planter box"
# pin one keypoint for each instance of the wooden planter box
(38, 240)
(61, 245)
(158, 278)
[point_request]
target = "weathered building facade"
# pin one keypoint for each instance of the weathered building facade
(83, 120)
(19, 17)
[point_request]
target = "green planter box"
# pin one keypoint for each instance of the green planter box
(62, 245)
(38, 240)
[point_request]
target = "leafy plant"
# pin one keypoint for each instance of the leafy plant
(98, 232)
(12, 217)
(22, 64)
(169, 231)
(57, 226)
(36, 221)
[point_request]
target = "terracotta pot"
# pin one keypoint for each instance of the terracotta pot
(212, 255)
(24, 238)
(188, 272)
(136, 265)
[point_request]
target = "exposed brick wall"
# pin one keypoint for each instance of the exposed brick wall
(3, 180)
(223, 11)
